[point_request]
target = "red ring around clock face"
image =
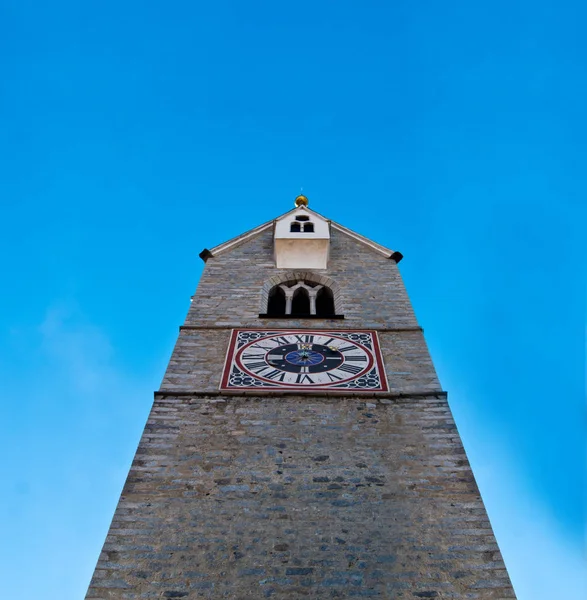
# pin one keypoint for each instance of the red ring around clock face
(304, 359)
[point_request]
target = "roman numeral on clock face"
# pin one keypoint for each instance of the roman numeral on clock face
(333, 377)
(305, 339)
(275, 375)
(250, 356)
(346, 348)
(256, 365)
(350, 369)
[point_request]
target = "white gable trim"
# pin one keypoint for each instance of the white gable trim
(241, 238)
(366, 241)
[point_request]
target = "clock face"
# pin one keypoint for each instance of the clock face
(303, 360)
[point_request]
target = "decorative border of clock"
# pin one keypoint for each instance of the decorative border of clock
(304, 360)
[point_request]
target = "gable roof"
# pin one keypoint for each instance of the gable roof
(235, 241)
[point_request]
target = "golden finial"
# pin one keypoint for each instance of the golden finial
(301, 201)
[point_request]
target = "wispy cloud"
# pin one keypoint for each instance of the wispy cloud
(71, 430)
(80, 352)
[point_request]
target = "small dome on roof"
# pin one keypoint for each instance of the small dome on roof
(301, 201)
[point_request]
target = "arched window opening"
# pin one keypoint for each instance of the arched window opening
(295, 228)
(309, 228)
(302, 218)
(276, 304)
(301, 298)
(301, 302)
(324, 302)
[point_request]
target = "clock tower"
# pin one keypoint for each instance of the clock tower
(300, 444)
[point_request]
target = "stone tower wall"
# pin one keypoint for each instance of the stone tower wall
(289, 496)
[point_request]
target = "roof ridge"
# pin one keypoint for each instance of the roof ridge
(247, 235)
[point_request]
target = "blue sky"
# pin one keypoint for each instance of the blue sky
(132, 136)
